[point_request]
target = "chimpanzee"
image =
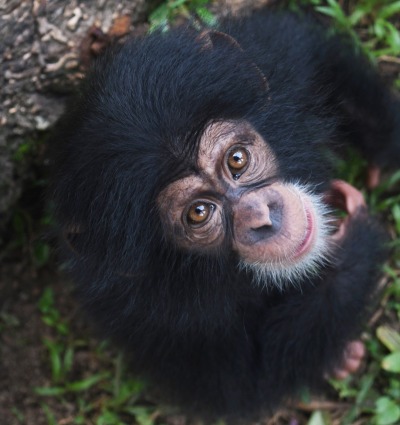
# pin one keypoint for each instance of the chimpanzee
(195, 197)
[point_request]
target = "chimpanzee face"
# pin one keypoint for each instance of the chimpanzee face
(277, 228)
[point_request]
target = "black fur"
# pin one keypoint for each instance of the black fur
(194, 324)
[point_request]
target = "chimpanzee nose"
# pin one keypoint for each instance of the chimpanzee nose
(258, 215)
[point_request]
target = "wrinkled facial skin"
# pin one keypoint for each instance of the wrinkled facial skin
(274, 223)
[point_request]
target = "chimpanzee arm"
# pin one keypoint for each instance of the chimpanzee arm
(370, 111)
(307, 333)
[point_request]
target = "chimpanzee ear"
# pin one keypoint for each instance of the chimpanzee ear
(212, 39)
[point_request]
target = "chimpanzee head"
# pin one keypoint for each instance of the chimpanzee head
(182, 165)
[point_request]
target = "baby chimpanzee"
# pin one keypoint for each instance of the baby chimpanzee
(194, 194)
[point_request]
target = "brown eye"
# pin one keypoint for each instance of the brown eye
(199, 212)
(237, 161)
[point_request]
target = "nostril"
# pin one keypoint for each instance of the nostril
(265, 227)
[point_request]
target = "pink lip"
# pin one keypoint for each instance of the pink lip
(305, 244)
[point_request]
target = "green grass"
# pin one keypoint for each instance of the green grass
(171, 10)
(373, 19)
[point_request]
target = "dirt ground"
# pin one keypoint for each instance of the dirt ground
(24, 362)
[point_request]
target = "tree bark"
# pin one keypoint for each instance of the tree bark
(40, 65)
